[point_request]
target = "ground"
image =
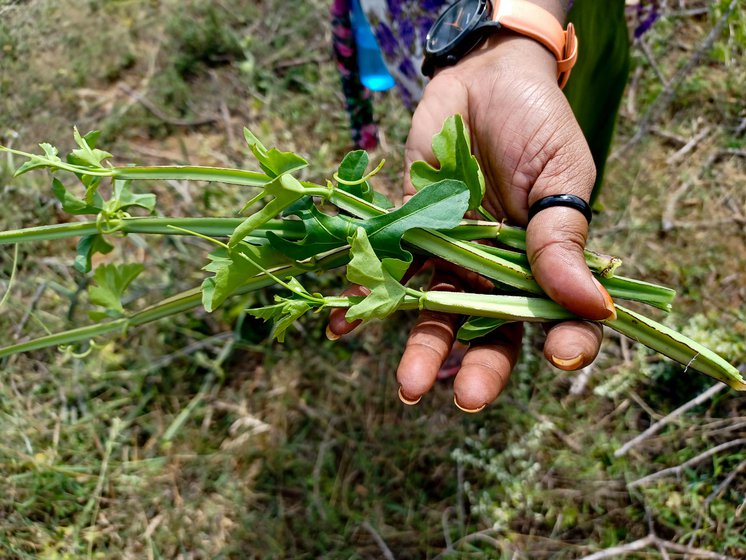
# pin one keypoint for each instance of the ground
(198, 438)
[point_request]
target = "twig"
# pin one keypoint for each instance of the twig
(669, 210)
(732, 152)
(445, 525)
(689, 12)
(699, 552)
(653, 540)
(651, 60)
(707, 395)
(678, 469)
(670, 136)
(632, 92)
(225, 113)
(643, 405)
(667, 95)
(581, 380)
(689, 146)
(385, 550)
(137, 96)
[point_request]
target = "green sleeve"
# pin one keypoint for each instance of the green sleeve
(600, 75)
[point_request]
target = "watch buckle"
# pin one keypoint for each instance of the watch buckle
(570, 56)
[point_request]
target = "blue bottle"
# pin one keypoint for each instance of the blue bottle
(373, 72)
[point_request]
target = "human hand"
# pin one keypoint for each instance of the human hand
(529, 146)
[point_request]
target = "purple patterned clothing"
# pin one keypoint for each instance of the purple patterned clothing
(401, 27)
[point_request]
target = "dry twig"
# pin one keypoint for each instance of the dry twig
(653, 429)
(678, 469)
(385, 550)
(654, 540)
(669, 210)
(689, 146)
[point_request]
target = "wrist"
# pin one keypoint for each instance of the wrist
(558, 8)
(517, 55)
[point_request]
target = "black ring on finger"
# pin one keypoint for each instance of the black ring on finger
(568, 200)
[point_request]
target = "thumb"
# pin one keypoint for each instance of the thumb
(556, 236)
(444, 96)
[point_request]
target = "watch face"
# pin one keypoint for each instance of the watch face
(454, 23)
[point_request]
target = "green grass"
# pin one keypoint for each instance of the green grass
(198, 438)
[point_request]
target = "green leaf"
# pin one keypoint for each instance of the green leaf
(87, 154)
(111, 282)
(382, 201)
(285, 190)
(477, 327)
(439, 207)
(232, 270)
(273, 162)
(386, 293)
(87, 247)
(125, 198)
(323, 232)
(49, 159)
(353, 166)
(74, 205)
(284, 313)
(351, 170)
(452, 148)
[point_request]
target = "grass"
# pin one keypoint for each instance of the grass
(197, 438)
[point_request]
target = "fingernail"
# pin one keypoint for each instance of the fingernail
(568, 365)
(608, 302)
(469, 410)
(331, 335)
(407, 401)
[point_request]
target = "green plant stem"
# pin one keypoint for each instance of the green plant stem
(511, 308)
(637, 327)
(676, 346)
(503, 268)
(190, 173)
(216, 227)
(174, 305)
(160, 173)
(515, 238)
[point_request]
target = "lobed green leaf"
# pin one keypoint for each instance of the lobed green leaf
(452, 148)
(111, 281)
(273, 162)
(365, 269)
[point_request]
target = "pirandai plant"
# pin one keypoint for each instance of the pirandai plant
(290, 234)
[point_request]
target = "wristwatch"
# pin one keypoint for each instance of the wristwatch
(466, 23)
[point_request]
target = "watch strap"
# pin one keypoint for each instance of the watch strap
(533, 21)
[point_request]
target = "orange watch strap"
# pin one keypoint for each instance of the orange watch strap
(532, 21)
